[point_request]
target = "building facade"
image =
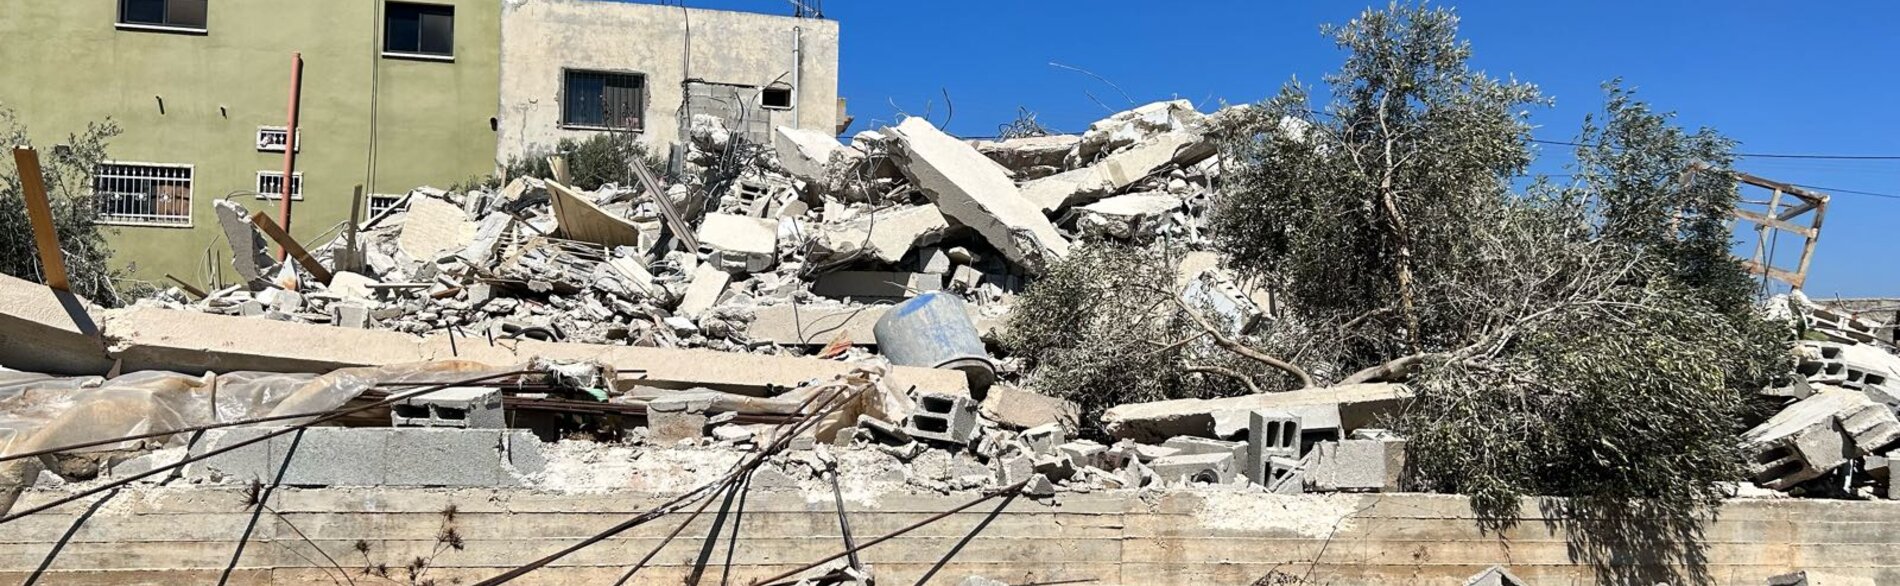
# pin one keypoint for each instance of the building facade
(394, 95)
(573, 68)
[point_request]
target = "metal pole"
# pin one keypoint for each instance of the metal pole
(290, 147)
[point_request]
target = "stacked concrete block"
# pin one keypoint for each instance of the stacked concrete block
(1818, 434)
(671, 420)
(1211, 468)
(381, 456)
(945, 418)
(331, 456)
(443, 457)
(1840, 327)
(1358, 466)
(1270, 434)
(251, 462)
(458, 407)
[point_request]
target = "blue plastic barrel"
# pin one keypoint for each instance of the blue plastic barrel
(933, 330)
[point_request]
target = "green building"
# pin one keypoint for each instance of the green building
(394, 95)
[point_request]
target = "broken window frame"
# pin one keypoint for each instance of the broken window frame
(169, 20)
(268, 192)
(1783, 212)
(606, 76)
(112, 187)
(422, 11)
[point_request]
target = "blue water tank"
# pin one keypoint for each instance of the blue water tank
(934, 330)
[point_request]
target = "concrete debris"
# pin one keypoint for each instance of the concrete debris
(1016, 408)
(1136, 216)
(971, 189)
(1127, 128)
(739, 244)
(1816, 435)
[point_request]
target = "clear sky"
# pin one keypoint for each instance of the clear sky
(1781, 77)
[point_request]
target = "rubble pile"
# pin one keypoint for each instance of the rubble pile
(789, 247)
(1834, 435)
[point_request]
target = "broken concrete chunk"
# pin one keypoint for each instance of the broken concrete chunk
(1118, 171)
(970, 188)
(1136, 216)
(885, 235)
(434, 227)
(709, 282)
(349, 285)
(1210, 468)
(875, 284)
(1021, 409)
(1216, 291)
(1817, 434)
(1359, 406)
(1133, 126)
(739, 244)
(1023, 154)
(1358, 466)
(809, 154)
(250, 253)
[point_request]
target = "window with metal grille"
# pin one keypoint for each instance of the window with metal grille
(418, 30)
(270, 185)
(145, 194)
(188, 15)
(602, 99)
(382, 202)
(273, 138)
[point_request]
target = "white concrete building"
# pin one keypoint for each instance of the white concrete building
(574, 68)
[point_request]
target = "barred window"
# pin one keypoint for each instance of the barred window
(145, 194)
(270, 185)
(601, 99)
(382, 202)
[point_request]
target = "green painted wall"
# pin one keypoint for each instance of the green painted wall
(64, 63)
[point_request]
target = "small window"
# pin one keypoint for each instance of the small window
(777, 97)
(144, 194)
(419, 30)
(382, 202)
(186, 15)
(270, 185)
(600, 99)
(273, 139)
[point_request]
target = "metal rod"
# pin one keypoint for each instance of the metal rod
(965, 542)
(1011, 490)
(844, 522)
(704, 503)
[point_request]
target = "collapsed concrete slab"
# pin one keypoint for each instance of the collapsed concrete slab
(884, 235)
(47, 330)
(1358, 405)
(875, 284)
(1128, 217)
(149, 338)
(739, 244)
(808, 154)
(1126, 128)
(1031, 157)
(817, 325)
(972, 189)
(709, 282)
(1117, 171)
(434, 227)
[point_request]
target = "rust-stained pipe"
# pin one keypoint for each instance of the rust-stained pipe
(290, 147)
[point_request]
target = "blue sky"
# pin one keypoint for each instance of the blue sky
(1781, 77)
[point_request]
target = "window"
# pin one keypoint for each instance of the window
(143, 194)
(419, 30)
(600, 99)
(183, 15)
(778, 97)
(273, 138)
(382, 202)
(270, 185)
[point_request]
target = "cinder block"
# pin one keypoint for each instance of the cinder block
(670, 420)
(1358, 465)
(1043, 439)
(250, 462)
(1085, 453)
(944, 418)
(443, 457)
(1270, 434)
(331, 456)
(1214, 468)
(461, 407)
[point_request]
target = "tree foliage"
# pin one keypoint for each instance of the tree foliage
(1591, 339)
(68, 171)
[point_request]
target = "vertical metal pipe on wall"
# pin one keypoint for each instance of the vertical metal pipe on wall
(290, 146)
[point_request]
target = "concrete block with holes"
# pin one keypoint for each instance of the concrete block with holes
(458, 407)
(1210, 468)
(1270, 434)
(942, 417)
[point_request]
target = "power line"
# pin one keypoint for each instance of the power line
(1762, 155)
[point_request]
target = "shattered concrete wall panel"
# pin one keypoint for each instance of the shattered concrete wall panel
(433, 227)
(969, 187)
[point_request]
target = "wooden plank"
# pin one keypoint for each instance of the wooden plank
(296, 250)
(1763, 220)
(40, 213)
(579, 219)
(558, 164)
(194, 291)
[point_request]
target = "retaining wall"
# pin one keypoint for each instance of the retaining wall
(186, 535)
